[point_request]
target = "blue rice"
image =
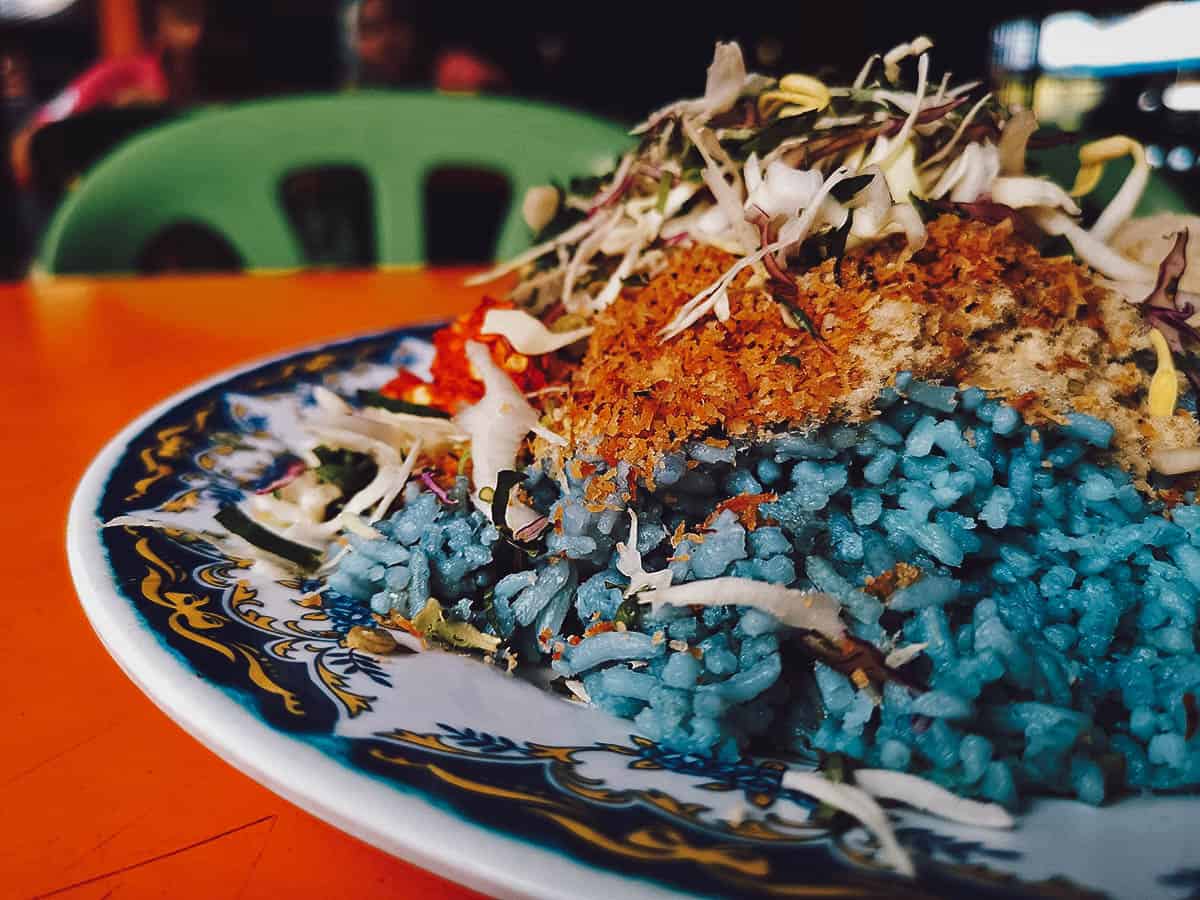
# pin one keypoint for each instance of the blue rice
(1056, 601)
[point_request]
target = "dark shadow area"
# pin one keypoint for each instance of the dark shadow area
(331, 211)
(464, 208)
(188, 247)
(63, 151)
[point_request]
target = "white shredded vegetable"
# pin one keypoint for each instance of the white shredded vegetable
(527, 334)
(791, 234)
(859, 804)
(931, 798)
(629, 564)
(1019, 191)
(944, 152)
(893, 58)
(496, 425)
(1013, 140)
(1093, 251)
(726, 80)
(897, 143)
(875, 216)
(404, 428)
(782, 190)
(1123, 204)
(399, 478)
(810, 610)
(572, 234)
(587, 248)
(900, 656)
(577, 690)
(728, 196)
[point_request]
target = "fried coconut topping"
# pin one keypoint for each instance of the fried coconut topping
(977, 305)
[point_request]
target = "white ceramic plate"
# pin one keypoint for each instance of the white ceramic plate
(460, 769)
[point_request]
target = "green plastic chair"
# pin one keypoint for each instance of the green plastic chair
(223, 169)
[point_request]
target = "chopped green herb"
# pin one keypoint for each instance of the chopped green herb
(835, 767)
(825, 814)
(801, 318)
(837, 245)
(924, 208)
(846, 189)
(776, 133)
(348, 470)
(664, 188)
(391, 404)
(637, 279)
(629, 613)
(431, 621)
(237, 522)
(830, 243)
(788, 360)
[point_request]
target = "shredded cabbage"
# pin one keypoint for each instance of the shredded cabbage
(931, 798)
(810, 610)
(1093, 251)
(527, 334)
(496, 426)
(1021, 191)
(1092, 158)
(629, 564)
(859, 804)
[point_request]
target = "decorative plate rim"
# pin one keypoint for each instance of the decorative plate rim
(380, 813)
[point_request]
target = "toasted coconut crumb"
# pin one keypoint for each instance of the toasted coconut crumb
(888, 582)
(978, 305)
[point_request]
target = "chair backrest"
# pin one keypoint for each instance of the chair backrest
(223, 169)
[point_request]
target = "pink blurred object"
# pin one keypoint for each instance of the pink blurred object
(461, 70)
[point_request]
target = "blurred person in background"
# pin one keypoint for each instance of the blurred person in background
(165, 73)
(394, 47)
(388, 50)
(16, 105)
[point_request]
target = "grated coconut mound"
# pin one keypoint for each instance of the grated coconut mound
(977, 305)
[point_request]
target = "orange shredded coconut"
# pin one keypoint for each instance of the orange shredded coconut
(635, 396)
(599, 628)
(888, 582)
(745, 507)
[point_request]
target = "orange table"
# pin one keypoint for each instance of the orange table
(103, 796)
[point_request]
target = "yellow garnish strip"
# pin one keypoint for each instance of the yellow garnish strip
(796, 94)
(1164, 386)
(1093, 156)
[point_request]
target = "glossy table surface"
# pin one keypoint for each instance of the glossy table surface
(103, 796)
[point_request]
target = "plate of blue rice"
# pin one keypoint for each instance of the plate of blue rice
(810, 511)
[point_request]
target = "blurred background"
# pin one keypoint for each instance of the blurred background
(78, 78)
